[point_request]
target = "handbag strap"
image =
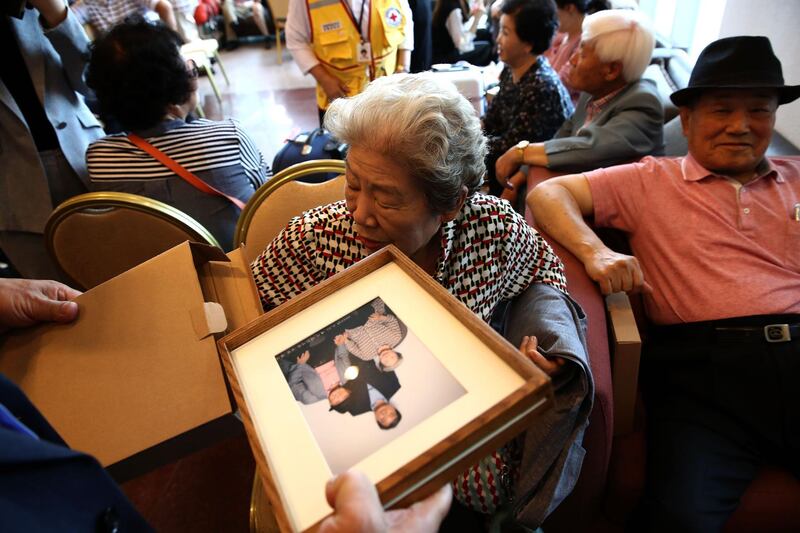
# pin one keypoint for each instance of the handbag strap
(178, 169)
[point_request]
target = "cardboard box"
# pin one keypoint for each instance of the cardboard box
(136, 380)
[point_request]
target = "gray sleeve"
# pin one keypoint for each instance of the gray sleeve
(552, 453)
(72, 45)
(342, 361)
(633, 129)
(306, 385)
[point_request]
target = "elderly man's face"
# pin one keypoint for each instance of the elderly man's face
(389, 206)
(729, 129)
(590, 74)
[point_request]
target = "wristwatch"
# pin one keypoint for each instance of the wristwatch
(521, 149)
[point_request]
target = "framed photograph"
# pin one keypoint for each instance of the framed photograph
(378, 368)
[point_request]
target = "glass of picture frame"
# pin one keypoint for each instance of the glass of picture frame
(378, 368)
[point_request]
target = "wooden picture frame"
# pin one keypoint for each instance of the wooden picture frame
(505, 391)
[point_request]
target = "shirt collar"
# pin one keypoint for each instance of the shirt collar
(161, 128)
(694, 171)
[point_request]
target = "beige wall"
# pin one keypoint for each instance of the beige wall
(779, 20)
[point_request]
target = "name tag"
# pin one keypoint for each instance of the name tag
(332, 26)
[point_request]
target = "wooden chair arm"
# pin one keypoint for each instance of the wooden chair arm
(625, 355)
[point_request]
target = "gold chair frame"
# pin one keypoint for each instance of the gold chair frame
(103, 201)
(292, 173)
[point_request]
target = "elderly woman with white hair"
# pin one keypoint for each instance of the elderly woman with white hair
(618, 118)
(414, 168)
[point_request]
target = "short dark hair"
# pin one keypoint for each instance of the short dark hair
(587, 7)
(536, 22)
(399, 360)
(137, 71)
(396, 420)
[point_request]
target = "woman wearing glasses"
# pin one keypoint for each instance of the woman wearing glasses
(142, 81)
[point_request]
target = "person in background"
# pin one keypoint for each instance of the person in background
(619, 117)
(45, 127)
(184, 19)
(102, 15)
(41, 472)
(344, 45)
(565, 43)
(421, 56)
(532, 103)
(141, 80)
(455, 32)
(236, 11)
(716, 254)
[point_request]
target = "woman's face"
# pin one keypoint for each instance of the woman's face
(389, 206)
(511, 50)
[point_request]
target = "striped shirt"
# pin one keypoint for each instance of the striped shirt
(218, 153)
(198, 146)
(489, 253)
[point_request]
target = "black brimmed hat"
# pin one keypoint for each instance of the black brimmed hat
(737, 63)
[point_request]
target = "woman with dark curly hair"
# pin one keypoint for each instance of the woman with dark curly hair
(142, 81)
(532, 102)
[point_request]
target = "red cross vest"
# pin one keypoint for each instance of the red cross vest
(335, 39)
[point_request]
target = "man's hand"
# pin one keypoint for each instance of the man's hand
(616, 272)
(338, 340)
(529, 348)
(331, 85)
(26, 302)
(507, 165)
(357, 509)
(303, 358)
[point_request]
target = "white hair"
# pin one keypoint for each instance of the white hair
(423, 123)
(621, 35)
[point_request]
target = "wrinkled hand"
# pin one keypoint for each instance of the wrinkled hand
(304, 357)
(26, 302)
(529, 348)
(357, 509)
(333, 87)
(507, 165)
(616, 272)
(338, 340)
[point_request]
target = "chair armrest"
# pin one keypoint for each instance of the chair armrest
(626, 352)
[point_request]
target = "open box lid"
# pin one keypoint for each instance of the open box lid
(139, 366)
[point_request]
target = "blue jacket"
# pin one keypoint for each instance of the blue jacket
(45, 486)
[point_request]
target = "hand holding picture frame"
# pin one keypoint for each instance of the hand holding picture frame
(463, 391)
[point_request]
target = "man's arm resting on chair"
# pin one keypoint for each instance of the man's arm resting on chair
(560, 205)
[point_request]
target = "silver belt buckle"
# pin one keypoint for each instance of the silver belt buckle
(777, 333)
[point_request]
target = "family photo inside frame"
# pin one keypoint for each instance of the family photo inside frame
(363, 381)
(379, 369)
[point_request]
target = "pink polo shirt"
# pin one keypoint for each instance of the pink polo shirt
(710, 247)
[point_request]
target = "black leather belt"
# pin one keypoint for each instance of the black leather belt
(769, 329)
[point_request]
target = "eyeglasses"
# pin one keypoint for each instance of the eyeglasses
(191, 68)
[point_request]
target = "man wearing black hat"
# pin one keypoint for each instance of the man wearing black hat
(716, 240)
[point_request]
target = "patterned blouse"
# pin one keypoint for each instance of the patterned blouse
(489, 253)
(532, 109)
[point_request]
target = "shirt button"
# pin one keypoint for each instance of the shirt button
(746, 210)
(61, 125)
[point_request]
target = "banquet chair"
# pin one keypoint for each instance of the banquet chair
(283, 197)
(95, 236)
(279, 10)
